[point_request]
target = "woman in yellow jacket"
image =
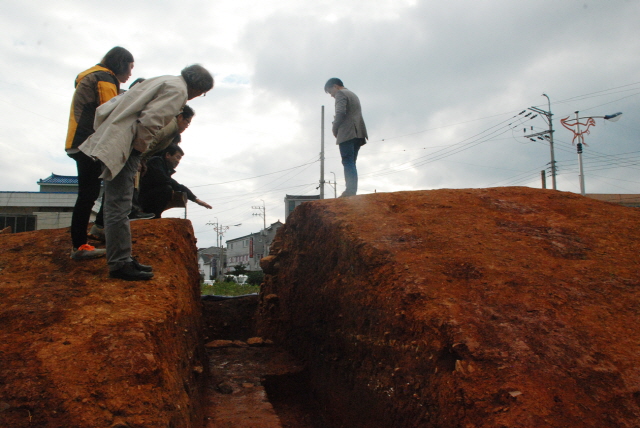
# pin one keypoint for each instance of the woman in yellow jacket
(94, 87)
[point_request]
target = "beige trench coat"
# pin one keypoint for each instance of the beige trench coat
(132, 119)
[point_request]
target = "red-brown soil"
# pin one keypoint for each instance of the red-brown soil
(78, 349)
(504, 307)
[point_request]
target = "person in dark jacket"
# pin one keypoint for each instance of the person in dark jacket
(157, 186)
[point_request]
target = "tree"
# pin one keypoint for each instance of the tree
(240, 269)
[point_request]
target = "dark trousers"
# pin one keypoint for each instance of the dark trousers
(156, 200)
(349, 153)
(89, 183)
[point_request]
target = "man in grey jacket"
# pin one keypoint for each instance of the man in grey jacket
(349, 130)
(125, 126)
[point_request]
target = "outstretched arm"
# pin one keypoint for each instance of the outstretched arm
(203, 204)
(193, 198)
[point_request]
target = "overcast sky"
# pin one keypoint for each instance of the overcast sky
(441, 85)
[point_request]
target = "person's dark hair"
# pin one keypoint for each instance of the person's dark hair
(177, 139)
(172, 149)
(198, 78)
(187, 112)
(135, 82)
(117, 60)
(331, 82)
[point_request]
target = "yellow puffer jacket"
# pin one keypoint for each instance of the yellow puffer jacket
(94, 87)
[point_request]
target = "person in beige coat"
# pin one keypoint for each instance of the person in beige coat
(349, 130)
(125, 126)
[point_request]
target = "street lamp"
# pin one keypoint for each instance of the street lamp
(578, 133)
(334, 185)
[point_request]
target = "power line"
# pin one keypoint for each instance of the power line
(453, 149)
(256, 176)
(598, 93)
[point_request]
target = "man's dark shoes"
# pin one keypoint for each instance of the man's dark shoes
(139, 215)
(129, 272)
(140, 266)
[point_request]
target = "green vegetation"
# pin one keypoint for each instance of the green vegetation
(228, 289)
(240, 269)
(255, 278)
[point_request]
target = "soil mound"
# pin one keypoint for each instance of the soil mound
(78, 349)
(503, 307)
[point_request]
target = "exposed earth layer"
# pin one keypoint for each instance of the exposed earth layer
(501, 307)
(78, 349)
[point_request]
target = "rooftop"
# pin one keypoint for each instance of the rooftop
(303, 197)
(70, 180)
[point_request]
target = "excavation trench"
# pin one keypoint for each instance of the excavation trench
(505, 307)
(253, 383)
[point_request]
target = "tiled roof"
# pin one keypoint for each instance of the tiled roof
(305, 197)
(60, 179)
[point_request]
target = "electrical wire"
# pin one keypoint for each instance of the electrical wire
(256, 176)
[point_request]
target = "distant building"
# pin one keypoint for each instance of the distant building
(209, 262)
(50, 208)
(626, 199)
(292, 201)
(59, 184)
(248, 250)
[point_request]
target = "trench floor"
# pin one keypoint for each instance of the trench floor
(252, 385)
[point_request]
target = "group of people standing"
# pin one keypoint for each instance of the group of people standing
(119, 138)
(112, 133)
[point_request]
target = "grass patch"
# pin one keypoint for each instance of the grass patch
(228, 289)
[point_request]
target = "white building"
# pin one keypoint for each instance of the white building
(292, 201)
(208, 262)
(50, 208)
(248, 250)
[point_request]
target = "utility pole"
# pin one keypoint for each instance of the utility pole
(263, 214)
(579, 149)
(216, 227)
(322, 153)
(220, 231)
(548, 135)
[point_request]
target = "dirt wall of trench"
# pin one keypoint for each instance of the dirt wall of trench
(502, 307)
(78, 349)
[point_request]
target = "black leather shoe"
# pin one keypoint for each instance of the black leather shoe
(139, 215)
(129, 272)
(140, 266)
